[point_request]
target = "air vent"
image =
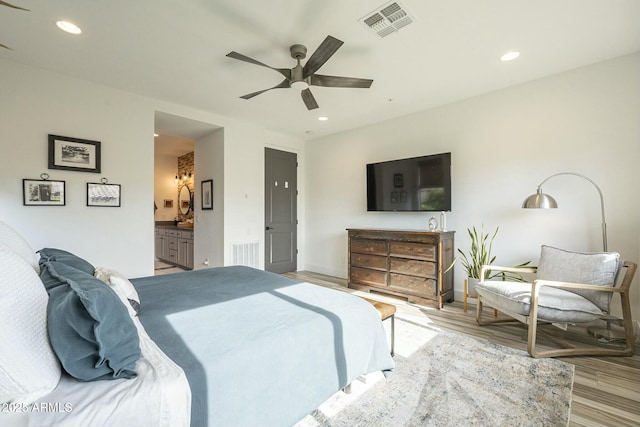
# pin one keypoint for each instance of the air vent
(387, 19)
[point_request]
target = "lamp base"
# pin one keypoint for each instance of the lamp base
(611, 334)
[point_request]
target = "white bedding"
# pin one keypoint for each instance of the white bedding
(159, 396)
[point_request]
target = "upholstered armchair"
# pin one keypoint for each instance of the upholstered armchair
(569, 288)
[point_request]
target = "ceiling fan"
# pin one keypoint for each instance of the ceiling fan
(4, 3)
(301, 77)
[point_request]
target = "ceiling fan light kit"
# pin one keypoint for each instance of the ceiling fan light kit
(301, 77)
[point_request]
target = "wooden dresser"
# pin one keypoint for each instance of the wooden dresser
(406, 263)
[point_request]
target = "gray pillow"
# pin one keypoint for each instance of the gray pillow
(90, 329)
(587, 268)
(52, 254)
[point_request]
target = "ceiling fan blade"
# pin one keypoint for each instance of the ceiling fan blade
(235, 55)
(337, 81)
(283, 84)
(4, 3)
(308, 99)
(322, 54)
(5, 46)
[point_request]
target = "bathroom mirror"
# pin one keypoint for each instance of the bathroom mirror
(184, 200)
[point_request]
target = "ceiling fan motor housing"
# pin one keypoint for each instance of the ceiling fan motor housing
(298, 51)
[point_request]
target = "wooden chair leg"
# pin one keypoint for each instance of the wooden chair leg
(464, 298)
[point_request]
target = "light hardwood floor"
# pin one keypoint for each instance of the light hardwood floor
(606, 390)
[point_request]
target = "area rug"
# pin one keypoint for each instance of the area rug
(456, 380)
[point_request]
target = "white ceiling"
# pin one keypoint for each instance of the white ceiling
(175, 51)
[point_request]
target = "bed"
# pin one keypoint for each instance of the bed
(218, 346)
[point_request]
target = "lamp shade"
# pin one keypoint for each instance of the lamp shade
(540, 201)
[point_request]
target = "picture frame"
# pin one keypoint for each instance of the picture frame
(101, 194)
(42, 192)
(168, 203)
(206, 194)
(74, 154)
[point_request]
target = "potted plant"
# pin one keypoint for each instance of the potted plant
(478, 255)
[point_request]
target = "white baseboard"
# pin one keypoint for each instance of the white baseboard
(328, 271)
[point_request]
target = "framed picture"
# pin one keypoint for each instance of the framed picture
(74, 154)
(207, 194)
(104, 195)
(168, 203)
(39, 192)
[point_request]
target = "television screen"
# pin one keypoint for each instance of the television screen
(415, 184)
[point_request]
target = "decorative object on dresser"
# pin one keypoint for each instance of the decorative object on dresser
(74, 154)
(406, 263)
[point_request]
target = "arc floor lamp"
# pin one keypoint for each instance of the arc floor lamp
(541, 200)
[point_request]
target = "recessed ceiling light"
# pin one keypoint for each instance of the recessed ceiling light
(509, 56)
(69, 27)
(323, 118)
(155, 135)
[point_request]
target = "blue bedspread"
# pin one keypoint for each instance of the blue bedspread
(260, 349)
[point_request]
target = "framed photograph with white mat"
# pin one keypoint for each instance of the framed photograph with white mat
(74, 154)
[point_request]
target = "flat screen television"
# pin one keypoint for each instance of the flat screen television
(417, 184)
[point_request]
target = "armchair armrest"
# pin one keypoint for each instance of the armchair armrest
(537, 284)
(518, 270)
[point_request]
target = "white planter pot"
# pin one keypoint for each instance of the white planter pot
(471, 286)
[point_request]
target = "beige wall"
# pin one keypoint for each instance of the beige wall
(503, 145)
(35, 102)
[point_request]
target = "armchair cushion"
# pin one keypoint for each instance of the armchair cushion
(554, 305)
(587, 268)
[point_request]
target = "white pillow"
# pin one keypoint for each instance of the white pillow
(19, 245)
(122, 287)
(29, 368)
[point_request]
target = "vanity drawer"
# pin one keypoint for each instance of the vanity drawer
(173, 233)
(188, 234)
(173, 244)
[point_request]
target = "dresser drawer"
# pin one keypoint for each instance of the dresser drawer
(413, 267)
(365, 276)
(420, 286)
(369, 261)
(369, 246)
(413, 250)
